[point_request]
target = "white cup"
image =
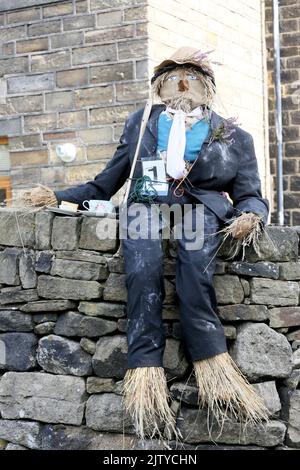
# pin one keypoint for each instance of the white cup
(98, 205)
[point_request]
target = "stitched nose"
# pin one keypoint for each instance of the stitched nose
(183, 85)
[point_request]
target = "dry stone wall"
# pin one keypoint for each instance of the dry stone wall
(63, 348)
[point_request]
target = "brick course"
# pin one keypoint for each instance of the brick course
(289, 11)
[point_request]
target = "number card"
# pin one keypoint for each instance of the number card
(156, 170)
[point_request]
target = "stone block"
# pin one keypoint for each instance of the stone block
(14, 65)
(284, 317)
(73, 77)
(102, 309)
(63, 356)
(99, 385)
(260, 352)
(10, 126)
(115, 288)
(44, 28)
(276, 244)
(110, 358)
(51, 61)
(17, 351)
(243, 312)
(16, 229)
(65, 233)
(271, 292)
(23, 84)
(27, 272)
(29, 157)
(99, 234)
(259, 269)
(78, 22)
(24, 433)
(82, 255)
(289, 271)
(32, 45)
(47, 306)
(293, 431)
(88, 346)
(93, 96)
(99, 407)
(174, 360)
(131, 91)
(11, 295)
(95, 53)
(194, 428)
(42, 397)
(133, 49)
(229, 289)
(9, 272)
(12, 320)
(268, 392)
(63, 288)
(112, 73)
(43, 227)
(44, 261)
(75, 324)
(45, 328)
(81, 270)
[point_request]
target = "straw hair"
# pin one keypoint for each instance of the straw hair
(146, 397)
(226, 392)
(244, 231)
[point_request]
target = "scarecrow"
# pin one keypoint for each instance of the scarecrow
(200, 158)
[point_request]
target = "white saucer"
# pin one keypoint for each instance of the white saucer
(62, 211)
(111, 215)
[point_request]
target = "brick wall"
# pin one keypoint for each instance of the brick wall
(82, 66)
(72, 72)
(290, 62)
(235, 29)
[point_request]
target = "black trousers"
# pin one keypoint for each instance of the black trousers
(202, 332)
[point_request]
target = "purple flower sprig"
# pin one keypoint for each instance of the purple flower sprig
(223, 132)
(203, 57)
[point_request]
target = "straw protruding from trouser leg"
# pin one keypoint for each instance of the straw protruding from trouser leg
(226, 392)
(146, 397)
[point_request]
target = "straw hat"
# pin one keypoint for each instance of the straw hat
(186, 56)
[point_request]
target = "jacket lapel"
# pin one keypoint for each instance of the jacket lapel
(215, 121)
(152, 124)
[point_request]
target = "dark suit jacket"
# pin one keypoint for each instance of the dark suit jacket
(220, 167)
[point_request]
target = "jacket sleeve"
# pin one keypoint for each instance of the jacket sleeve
(106, 183)
(246, 188)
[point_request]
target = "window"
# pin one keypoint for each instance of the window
(5, 180)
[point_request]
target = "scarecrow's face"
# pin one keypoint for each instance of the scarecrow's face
(183, 83)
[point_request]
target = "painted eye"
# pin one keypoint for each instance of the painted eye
(192, 77)
(172, 77)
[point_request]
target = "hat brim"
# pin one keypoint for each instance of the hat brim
(166, 64)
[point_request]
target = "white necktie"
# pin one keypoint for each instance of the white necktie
(177, 141)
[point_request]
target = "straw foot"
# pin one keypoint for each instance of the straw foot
(146, 398)
(225, 391)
